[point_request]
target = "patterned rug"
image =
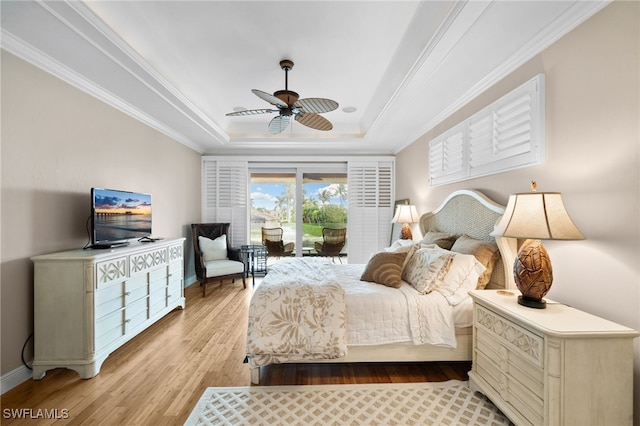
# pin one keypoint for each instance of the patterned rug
(442, 403)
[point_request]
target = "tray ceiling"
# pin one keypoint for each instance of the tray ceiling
(397, 68)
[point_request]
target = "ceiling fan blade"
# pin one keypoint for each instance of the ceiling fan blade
(252, 112)
(279, 124)
(316, 105)
(314, 121)
(269, 98)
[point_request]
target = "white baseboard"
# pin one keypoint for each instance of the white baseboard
(14, 378)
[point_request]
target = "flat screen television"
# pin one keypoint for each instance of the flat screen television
(119, 216)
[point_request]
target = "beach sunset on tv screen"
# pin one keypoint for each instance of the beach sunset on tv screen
(117, 202)
(120, 215)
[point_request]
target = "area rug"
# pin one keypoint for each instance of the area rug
(440, 403)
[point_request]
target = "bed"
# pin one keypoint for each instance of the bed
(310, 310)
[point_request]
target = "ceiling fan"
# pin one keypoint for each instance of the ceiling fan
(305, 111)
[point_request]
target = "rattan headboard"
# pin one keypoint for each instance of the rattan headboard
(474, 214)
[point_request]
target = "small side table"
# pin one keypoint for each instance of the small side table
(254, 257)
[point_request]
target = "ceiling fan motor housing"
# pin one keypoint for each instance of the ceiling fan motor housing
(288, 96)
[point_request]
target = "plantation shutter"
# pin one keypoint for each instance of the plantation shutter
(446, 156)
(506, 135)
(370, 211)
(225, 188)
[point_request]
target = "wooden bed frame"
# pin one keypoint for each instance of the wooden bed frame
(462, 212)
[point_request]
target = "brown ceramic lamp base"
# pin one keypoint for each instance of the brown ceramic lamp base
(533, 274)
(405, 232)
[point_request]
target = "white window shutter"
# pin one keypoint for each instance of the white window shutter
(447, 156)
(506, 135)
(371, 193)
(225, 188)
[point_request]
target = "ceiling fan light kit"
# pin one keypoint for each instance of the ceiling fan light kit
(288, 103)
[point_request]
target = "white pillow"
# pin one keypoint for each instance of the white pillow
(463, 275)
(400, 246)
(213, 249)
(426, 267)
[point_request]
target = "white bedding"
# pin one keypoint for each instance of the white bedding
(309, 308)
(378, 315)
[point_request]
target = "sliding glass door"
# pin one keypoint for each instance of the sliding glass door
(324, 205)
(302, 200)
(273, 203)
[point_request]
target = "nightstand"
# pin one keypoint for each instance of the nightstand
(553, 366)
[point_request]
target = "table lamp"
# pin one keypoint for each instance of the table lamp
(535, 216)
(406, 214)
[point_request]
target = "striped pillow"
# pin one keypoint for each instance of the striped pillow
(385, 268)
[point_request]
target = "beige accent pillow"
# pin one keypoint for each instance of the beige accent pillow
(426, 267)
(385, 268)
(485, 251)
(442, 239)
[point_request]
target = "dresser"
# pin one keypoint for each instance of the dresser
(553, 366)
(88, 303)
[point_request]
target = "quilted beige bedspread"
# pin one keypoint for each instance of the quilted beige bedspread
(296, 313)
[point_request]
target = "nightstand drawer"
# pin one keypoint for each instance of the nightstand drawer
(516, 338)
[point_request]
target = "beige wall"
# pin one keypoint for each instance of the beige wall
(592, 144)
(58, 142)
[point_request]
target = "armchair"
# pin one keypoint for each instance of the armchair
(215, 259)
(334, 240)
(272, 240)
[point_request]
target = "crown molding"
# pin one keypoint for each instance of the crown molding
(575, 15)
(101, 46)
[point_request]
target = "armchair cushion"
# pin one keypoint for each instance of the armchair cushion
(215, 249)
(216, 268)
(274, 246)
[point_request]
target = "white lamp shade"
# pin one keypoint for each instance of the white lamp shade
(406, 213)
(537, 215)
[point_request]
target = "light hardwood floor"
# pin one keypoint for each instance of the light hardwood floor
(158, 377)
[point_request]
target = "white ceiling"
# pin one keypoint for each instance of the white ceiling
(180, 66)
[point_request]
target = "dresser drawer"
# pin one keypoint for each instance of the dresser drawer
(111, 270)
(157, 303)
(144, 262)
(109, 328)
(109, 299)
(512, 336)
(173, 293)
(175, 270)
(136, 313)
(135, 288)
(175, 253)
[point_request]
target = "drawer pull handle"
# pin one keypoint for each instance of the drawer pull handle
(127, 320)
